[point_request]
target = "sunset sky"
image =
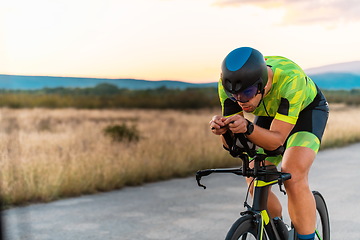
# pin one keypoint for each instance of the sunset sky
(182, 40)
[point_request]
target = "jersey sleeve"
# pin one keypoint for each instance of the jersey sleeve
(228, 106)
(293, 96)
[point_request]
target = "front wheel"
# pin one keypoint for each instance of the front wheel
(243, 229)
(322, 218)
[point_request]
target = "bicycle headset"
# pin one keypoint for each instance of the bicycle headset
(242, 68)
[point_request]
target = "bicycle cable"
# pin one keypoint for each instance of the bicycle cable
(247, 194)
(265, 107)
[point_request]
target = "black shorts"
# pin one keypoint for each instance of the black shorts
(310, 125)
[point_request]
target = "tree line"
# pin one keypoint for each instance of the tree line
(110, 96)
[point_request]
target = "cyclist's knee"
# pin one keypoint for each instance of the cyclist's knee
(297, 185)
(296, 176)
(297, 161)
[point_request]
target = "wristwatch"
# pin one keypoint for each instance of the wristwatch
(250, 128)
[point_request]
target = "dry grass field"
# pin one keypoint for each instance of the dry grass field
(49, 154)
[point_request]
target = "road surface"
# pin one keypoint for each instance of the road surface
(178, 209)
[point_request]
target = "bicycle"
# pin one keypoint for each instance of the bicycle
(255, 223)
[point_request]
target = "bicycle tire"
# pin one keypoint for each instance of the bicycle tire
(243, 229)
(322, 218)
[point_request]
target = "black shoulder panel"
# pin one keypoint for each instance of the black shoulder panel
(284, 107)
(231, 107)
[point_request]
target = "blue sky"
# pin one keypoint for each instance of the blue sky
(170, 39)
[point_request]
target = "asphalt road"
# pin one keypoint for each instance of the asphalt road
(178, 209)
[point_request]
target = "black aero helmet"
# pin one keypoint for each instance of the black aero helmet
(242, 68)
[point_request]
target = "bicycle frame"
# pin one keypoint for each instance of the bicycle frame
(259, 206)
(264, 177)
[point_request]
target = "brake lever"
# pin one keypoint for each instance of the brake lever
(199, 184)
(199, 175)
(280, 182)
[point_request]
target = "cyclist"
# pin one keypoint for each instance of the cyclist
(290, 113)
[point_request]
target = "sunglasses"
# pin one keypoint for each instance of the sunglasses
(246, 95)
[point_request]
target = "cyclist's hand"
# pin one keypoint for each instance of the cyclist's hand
(217, 125)
(237, 123)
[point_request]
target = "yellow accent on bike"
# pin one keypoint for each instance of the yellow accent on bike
(318, 234)
(259, 183)
(265, 217)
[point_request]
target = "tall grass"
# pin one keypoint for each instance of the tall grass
(50, 154)
(343, 126)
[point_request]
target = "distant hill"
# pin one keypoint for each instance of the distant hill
(337, 81)
(347, 67)
(335, 76)
(16, 82)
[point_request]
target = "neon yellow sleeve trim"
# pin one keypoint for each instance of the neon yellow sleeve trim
(284, 118)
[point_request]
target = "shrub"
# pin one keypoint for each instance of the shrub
(44, 125)
(119, 133)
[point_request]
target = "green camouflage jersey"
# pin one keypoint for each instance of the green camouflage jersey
(290, 93)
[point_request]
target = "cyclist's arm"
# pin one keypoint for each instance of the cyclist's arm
(292, 97)
(274, 137)
(268, 139)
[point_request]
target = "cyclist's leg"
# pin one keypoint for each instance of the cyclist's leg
(274, 205)
(301, 148)
(301, 204)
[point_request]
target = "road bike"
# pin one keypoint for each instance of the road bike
(255, 222)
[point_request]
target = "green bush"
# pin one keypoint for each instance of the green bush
(119, 133)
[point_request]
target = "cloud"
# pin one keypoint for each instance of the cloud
(329, 12)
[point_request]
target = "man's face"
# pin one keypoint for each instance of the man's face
(251, 105)
(249, 98)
